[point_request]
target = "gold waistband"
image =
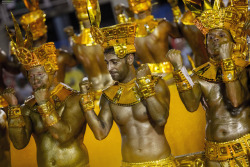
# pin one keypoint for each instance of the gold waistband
(167, 162)
(227, 150)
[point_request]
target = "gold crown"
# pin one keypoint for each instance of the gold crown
(86, 9)
(138, 6)
(29, 57)
(121, 37)
(35, 19)
(231, 18)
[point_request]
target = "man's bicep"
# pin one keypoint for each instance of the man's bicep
(162, 92)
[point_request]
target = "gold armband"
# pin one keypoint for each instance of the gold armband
(122, 18)
(87, 101)
(228, 70)
(177, 13)
(48, 113)
(181, 81)
(146, 86)
(15, 117)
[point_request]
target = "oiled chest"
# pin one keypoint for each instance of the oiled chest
(123, 115)
(212, 92)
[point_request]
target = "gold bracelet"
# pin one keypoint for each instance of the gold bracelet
(15, 118)
(87, 101)
(146, 86)
(48, 113)
(122, 18)
(182, 83)
(228, 70)
(177, 13)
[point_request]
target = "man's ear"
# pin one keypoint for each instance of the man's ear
(130, 59)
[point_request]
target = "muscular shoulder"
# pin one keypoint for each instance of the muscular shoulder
(161, 87)
(73, 99)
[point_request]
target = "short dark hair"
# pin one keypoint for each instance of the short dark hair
(110, 50)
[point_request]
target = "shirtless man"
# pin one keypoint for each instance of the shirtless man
(137, 102)
(222, 87)
(53, 115)
(152, 34)
(36, 21)
(87, 52)
(190, 32)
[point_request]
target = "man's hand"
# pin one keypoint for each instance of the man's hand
(143, 71)
(42, 96)
(226, 50)
(174, 56)
(9, 96)
(85, 86)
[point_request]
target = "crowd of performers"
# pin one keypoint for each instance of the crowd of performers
(135, 97)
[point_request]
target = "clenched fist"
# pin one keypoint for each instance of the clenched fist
(174, 56)
(226, 50)
(9, 96)
(143, 71)
(42, 96)
(85, 86)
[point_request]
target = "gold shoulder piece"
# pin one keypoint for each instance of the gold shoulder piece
(209, 72)
(123, 94)
(61, 92)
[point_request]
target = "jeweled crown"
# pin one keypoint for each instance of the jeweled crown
(35, 19)
(121, 37)
(231, 18)
(30, 57)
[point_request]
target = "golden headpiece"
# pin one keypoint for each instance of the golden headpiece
(30, 57)
(83, 7)
(35, 19)
(120, 36)
(138, 6)
(231, 18)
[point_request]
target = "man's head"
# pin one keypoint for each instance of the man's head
(118, 68)
(39, 78)
(214, 39)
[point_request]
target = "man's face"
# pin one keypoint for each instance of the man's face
(215, 38)
(118, 68)
(38, 78)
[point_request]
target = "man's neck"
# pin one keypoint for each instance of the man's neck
(144, 14)
(131, 75)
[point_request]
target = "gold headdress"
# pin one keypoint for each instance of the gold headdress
(35, 19)
(83, 7)
(138, 6)
(231, 18)
(120, 36)
(29, 57)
